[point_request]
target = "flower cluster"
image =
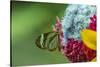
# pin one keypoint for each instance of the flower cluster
(76, 51)
(92, 24)
(76, 19)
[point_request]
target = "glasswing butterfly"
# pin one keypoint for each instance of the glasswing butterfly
(50, 40)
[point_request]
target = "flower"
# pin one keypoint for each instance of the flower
(89, 39)
(74, 51)
(76, 19)
(92, 24)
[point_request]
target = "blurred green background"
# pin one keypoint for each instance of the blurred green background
(30, 19)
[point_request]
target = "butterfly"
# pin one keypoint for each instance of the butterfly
(50, 40)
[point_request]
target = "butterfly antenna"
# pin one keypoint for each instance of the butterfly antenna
(57, 19)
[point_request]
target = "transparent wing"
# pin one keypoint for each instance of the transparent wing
(49, 41)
